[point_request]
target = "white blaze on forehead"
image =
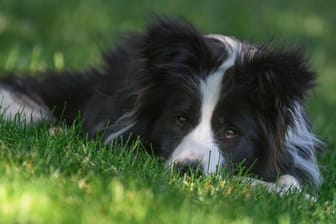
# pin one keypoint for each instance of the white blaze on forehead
(230, 42)
(235, 45)
(200, 144)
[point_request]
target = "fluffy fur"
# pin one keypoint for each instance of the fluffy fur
(201, 101)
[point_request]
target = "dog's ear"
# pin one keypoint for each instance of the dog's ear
(275, 81)
(278, 77)
(171, 44)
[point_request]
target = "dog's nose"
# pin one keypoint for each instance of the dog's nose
(189, 168)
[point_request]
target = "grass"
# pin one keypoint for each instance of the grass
(54, 175)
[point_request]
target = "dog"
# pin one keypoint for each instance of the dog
(200, 102)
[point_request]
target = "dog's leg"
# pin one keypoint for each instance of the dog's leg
(284, 185)
(14, 103)
(50, 96)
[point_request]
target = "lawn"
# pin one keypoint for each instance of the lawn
(54, 175)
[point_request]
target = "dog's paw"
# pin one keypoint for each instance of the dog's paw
(285, 185)
(288, 182)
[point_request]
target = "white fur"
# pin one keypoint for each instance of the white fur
(288, 182)
(114, 135)
(227, 41)
(199, 144)
(12, 104)
(300, 136)
(283, 186)
(235, 45)
(125, 122)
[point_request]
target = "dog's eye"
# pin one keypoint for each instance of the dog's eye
(181, 120)
(230, 133)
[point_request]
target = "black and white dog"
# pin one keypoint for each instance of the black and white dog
(201, 101)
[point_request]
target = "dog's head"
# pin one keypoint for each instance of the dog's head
(211, 100)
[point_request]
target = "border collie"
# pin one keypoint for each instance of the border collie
(203, 102)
